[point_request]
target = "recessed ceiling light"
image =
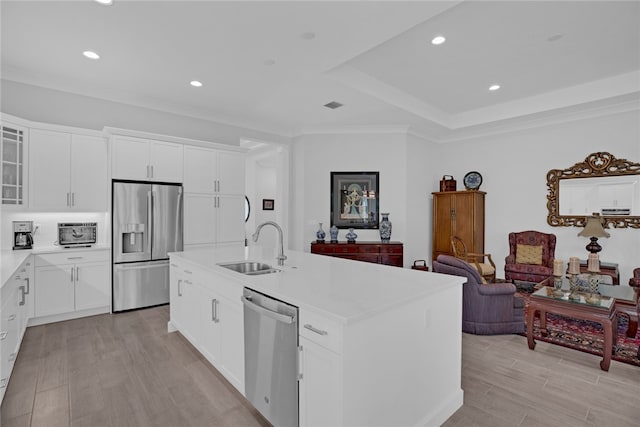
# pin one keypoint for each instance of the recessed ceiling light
(333, 105)
(308, 36)
(269, 61)
(90, 54)
(195, 83)
(105, 2)
(494, 87)
(438, 40)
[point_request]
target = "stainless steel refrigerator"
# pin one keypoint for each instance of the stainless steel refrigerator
(146, 224)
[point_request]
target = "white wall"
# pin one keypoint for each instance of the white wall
(314, 157)
(513, 165)
(514, 168)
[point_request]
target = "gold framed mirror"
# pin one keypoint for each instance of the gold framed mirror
(602, 184)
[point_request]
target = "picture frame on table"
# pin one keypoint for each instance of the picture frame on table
(267, 204)
(355, 200)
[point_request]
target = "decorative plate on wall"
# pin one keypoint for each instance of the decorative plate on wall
(472, 180)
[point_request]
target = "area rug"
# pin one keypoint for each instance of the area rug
(585, 335)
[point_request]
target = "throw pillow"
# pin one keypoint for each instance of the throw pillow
(528, 254)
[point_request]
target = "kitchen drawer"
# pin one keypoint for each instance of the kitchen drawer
(321, 330)
(59, 258)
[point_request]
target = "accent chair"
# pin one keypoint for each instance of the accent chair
(487, 309)
(635, 280)
(486, 269)
(531, 255)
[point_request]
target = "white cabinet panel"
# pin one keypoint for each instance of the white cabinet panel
(68, 172)
(91, 285)
(49, 165)
(146, 160)
(55, 290)
(89, 173)
(230, 218)
(199, 218)
(231, 171)
(199, 170)
(320, 386)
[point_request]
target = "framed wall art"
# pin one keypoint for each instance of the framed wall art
(267, 204)
(355, 199)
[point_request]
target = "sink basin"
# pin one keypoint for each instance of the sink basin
(251, 268)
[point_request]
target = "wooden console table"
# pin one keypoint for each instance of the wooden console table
(606, 268)
(375, 252)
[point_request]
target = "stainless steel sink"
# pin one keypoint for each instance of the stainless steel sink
(251, 268)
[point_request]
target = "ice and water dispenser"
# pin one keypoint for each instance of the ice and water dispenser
(132, 238)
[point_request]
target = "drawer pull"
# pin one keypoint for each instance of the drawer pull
(12, 357)
(3, 335)
(317, 331)
(23, 299)
(3, 382)
(75, 257)
(12, 317)
(188, 272)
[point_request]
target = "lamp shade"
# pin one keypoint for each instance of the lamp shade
(594, 228)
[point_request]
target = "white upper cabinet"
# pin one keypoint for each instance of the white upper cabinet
(208, 171)
(68, 172)
(146, 159)
(12, 153)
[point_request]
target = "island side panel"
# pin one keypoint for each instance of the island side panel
(403, 367)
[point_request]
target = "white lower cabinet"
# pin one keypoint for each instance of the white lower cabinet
(320, 388)
(66, 283)
(209, 314)
(15, 302)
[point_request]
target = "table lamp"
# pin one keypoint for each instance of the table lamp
(594, 229)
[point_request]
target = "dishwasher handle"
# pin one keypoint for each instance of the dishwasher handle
(266, 312)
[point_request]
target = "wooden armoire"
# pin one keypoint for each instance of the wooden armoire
(458, 213)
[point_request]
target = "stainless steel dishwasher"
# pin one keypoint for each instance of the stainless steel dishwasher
(271, 357)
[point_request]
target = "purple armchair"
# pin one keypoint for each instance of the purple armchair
(487, 309)
(537, 264)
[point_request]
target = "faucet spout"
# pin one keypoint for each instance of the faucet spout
(281, 257)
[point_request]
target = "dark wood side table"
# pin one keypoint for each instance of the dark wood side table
(606, 268)
(375, 252)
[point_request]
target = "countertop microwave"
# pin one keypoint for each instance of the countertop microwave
(74, 234)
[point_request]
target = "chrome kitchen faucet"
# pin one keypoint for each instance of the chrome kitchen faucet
(255, 236)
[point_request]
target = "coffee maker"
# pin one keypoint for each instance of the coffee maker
(22, 234)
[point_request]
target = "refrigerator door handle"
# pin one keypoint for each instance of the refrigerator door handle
(149, 219)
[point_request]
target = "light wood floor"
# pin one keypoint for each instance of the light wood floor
(126, 370)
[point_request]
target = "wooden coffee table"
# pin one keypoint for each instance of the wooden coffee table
(603, 311)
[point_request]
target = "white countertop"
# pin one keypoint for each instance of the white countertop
(344, 289)
(10, 260)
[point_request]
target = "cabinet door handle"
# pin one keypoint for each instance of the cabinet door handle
(77, 273)
(28, 280)
(300, 362)
(12, 317)
(147, 171)
(188, 271)
(71, 274)
(3, 335)
(3, 382)
(214, 310)
(317, 331)
(179, 288)
(23, 298)
(12, 357)
(67, 199)
(73, 199)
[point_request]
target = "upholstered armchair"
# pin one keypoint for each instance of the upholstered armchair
(487, 309)
(531, 255)
(635, 280)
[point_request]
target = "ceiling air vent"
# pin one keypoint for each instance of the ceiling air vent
(333, 105)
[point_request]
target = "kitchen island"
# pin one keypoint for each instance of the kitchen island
(379, 345)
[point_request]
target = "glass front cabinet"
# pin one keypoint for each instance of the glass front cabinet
(12, 153)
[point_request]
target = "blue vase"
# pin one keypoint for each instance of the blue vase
(333, 232)
(320, 234)
(351, 236)
(385, 228)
